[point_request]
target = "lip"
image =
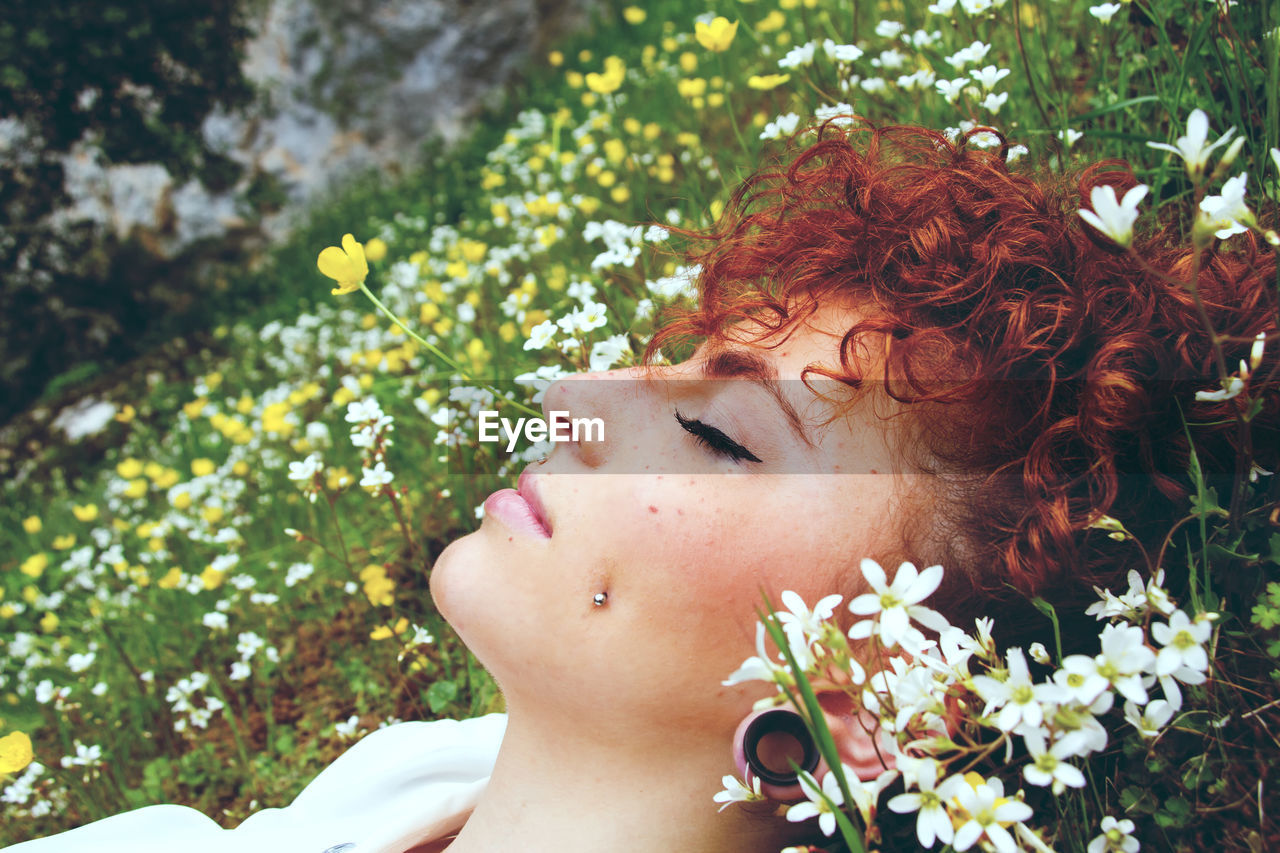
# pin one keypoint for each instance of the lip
(527, 489)
(519, 509)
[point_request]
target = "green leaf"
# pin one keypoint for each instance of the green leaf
(440, 694)
(284, 742)
(1206, 504)
(1265, 617)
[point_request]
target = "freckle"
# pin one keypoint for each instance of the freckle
(652, 508)
(679, 512)
(874, 471)
(511, 538)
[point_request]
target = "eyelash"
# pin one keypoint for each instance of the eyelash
(714, 440)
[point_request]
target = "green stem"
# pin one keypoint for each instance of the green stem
(434, 350)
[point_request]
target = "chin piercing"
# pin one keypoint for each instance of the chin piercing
(542, 461)
(600, 598)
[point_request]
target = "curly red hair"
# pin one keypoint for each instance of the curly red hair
(1076, 364)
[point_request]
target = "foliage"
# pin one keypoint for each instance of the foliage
(134, 81)
(169, 612)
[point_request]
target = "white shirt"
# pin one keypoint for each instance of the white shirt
(398, 787)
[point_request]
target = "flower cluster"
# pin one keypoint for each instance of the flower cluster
(948, 704)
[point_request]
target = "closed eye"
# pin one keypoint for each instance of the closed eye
(715, 441)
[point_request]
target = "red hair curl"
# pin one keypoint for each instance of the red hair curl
(1077, 364)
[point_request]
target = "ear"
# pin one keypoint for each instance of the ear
(863, 746)
(771, 743)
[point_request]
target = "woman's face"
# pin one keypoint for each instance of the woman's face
(678, 529)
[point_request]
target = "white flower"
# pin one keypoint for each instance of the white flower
(993, 101)
(933, 823)
(942, 7)
(360, 411)
(822, 801)
(1150, 719)
(889, 29)
(951, 89)
(605, 353)
(348, 729)
(1079, 678)
(898, 603)
(735, 791)
(239, 671)
(783, 125)
(802, 625)
(376, 477)
(1115, 219)
(798, 56)
(990, 76)
(540, 335)
(1231, 387)
(247, 645)
(1049, 766)
(841, 114)
(298, 572)
(1105, 12)
(1016, 696)
(1183, 642)
(1070, 136)
(986, 817)
(1122, 660)
(1226, 214)
(80, 662)
(214, 621)
(975, 52)
(841, 52)
(1192, 147)
(305, 470)
(1116, 837)
(758, 667)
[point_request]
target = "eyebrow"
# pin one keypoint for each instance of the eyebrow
(743, 364)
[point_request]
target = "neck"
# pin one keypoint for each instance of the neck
(558, 790)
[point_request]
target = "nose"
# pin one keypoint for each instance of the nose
(597, 411)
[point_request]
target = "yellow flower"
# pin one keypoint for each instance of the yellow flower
(767, 81)
(375, 250)
(614, 72)
(34, 566)
(717, 35)
(634, 15)
(129, 468)
(64, 542)
(212, 578)
(49, 622)
(203, 467)
(172, 579)
(555, 58)
(182, 500)
(32, 524)
(346, 266)
(126, 414)
(88, 512)
(772, 22)
(15, 752)
(135, 489)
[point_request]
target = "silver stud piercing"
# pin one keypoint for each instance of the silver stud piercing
(542, 461)
(600, 598)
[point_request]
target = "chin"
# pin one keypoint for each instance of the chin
(444, 580)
